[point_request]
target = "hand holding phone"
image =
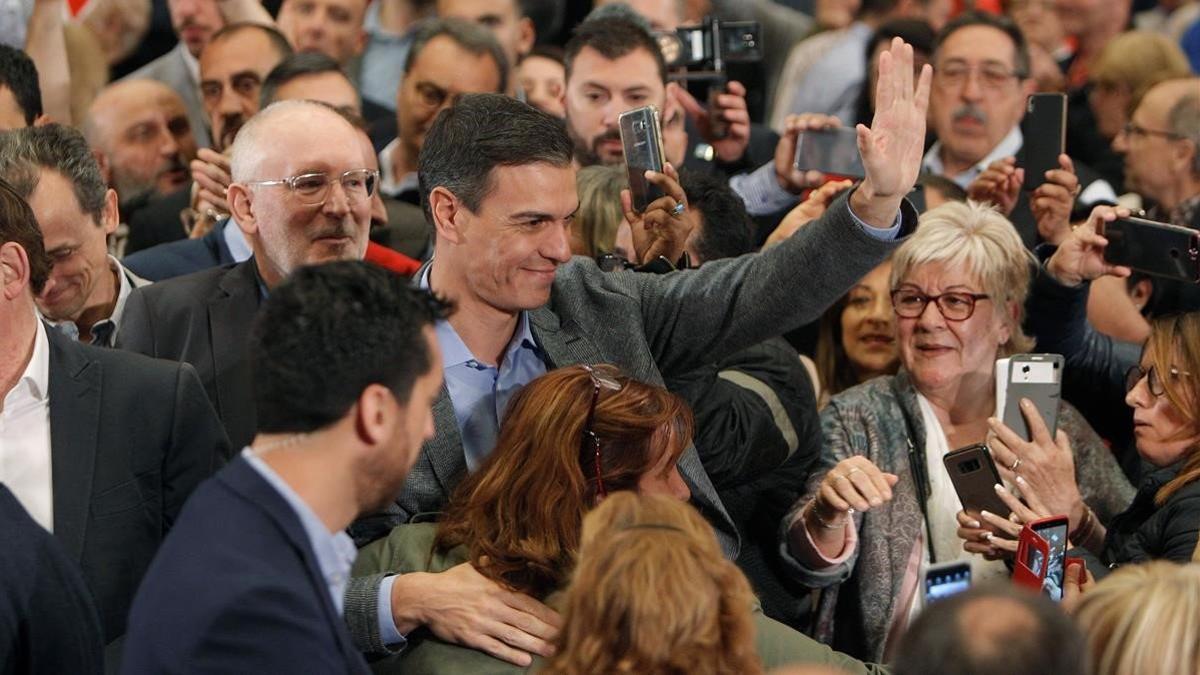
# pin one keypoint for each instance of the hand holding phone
(1038, 378)
(1041, 556)
(1081, 255)
(974, 476)
(641, 137)
(830, 151)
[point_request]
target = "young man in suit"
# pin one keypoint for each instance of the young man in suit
(502, 205)
(204, 318)
(346, 367)
(101, 447)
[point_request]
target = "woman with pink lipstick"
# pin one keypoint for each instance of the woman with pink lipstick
(1161, 387)
(880, 506)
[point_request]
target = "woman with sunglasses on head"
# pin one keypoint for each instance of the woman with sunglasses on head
(569, 439)
(880, 506)
(1161, 388)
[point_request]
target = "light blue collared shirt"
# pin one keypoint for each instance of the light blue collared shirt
(235, 239)
(479, 394)
(335, 551)
(1008, 146)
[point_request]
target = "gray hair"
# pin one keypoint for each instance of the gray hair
(25, 152)
(468, 35)
(1184, 121)
(987, 245)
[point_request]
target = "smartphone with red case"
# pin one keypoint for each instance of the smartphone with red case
(1041, 556)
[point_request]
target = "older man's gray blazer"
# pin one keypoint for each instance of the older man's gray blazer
(651, 326)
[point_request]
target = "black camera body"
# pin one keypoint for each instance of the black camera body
(701, 52)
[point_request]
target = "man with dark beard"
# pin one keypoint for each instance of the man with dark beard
(141, 131)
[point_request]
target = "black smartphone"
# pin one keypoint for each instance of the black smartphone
(1054, 531)
(974, 476)
(1037, 377)
(833, 151)
(946, 579)
(1044, 128)
(1160, 249)
(641, 136)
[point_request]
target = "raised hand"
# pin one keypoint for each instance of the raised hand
(1052, 201)
(1081, 255)
(998, 185)
(893, 145)
(662, 229)
(727, 112)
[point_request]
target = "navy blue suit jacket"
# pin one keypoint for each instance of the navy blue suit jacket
(177, 258)
(236, 589)
(48, 623)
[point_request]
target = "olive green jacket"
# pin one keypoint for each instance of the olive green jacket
(409, 549)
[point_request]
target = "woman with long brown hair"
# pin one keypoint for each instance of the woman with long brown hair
(570, 438)
(652, 594)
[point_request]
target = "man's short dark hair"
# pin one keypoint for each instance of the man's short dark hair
(283, 48)
(18, 225)
(1001, 23)
(468, 35)
(728, 230)
(25, 152)
(295, 66)
(326, 333)
(481, 132)
(19, 74)
(1024, 633)
(613, 37)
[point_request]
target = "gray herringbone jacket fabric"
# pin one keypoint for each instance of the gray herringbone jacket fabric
(859, 596)
(651, 326)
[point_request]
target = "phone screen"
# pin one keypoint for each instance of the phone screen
(942, 582)
(832, 151)
(1055, 534)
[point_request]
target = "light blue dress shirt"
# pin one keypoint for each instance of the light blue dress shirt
(479, 394)
(335, 551)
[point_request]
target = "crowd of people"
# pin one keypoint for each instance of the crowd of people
(333, 338)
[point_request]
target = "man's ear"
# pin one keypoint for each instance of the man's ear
(14, 270)
(110, 217)
(448, 213)
(527, 36)
(375, 415)
(240, 201)
(1183, 155)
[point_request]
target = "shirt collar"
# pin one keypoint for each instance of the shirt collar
(1007, 147)
(235, 239)
(335, 551)
(102, 330)
(389, 183)
(37, 372)
(456, 353)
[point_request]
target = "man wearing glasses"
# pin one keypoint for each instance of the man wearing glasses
(298, 203)
(981, 80)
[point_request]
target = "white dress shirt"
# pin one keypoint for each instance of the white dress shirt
(25, 436)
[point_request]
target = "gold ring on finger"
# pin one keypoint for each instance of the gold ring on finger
(1015, 465)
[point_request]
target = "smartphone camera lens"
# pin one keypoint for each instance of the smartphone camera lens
(969, 466)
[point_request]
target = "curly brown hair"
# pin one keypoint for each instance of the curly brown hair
(521, 512)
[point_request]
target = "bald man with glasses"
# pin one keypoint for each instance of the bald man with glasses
(298, 203)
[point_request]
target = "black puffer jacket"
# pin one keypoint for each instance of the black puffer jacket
(1148, 532)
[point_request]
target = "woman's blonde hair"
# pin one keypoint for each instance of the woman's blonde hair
(599, 214)
(1138, 60)
(1144, 619)
(988, 247)
(652, 594)
(1175, 343)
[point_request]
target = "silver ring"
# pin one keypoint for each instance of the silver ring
(1015, 465)
(679, 209)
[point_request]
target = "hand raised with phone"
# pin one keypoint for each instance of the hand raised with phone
(725, 123)
(1081, 255)
(662, 229)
